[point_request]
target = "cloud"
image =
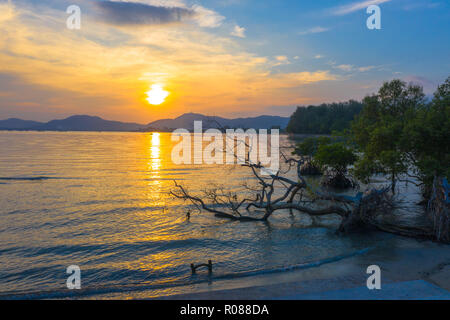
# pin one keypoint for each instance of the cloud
(154, 12)
(281, 58)
(355, 6)
(313, 30)
(238, 32)
(106, 70)
(318, 56)
(364, 69)
(20, 97)
(350, 67)
(131, 13)
(6, 12)
(345, 67)
(296, 79)
(206, 17)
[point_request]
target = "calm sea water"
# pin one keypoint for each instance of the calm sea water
(100, 201)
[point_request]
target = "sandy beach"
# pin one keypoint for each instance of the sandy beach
(408, 261)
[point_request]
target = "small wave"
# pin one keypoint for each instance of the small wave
(306, 265)
(93, 291)
(128, 209)
(39, 178)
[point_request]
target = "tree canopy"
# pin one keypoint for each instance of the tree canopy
(325, 118)
(379, 131)
(427, 138)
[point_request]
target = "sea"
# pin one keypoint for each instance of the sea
(101, 201)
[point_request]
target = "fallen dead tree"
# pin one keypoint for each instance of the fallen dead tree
(276, 192)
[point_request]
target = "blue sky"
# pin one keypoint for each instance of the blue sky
(414, 39)
(223, 57)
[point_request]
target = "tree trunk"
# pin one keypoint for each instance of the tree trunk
(393, 183)
(438, 209)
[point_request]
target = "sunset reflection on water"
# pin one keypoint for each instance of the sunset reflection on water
(104, 204)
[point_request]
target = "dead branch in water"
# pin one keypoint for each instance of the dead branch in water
(276, 191)
(365, 210)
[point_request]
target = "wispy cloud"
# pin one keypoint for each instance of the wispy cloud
(355, 6)
(238, 32)
(364, 69)
(345, 67)
(130, 13)
(313, 30)
(350, 68)
(206, 17)
(154, 12)
(294, 79)
(281, 60)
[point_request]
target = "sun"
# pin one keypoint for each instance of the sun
(157, 94)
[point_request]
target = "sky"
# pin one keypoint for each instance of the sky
(229, 58)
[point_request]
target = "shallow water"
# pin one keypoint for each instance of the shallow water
(100, 201)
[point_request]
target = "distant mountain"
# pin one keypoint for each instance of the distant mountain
(88, 123)
(19, 124)
(186, 121)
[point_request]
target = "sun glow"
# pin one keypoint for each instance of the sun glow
(157, 94)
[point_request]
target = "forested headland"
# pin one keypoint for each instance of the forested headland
(324, 118)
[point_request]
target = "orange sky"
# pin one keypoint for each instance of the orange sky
(106, 70)
(209, 62)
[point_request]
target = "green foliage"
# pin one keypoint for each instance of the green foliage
(308, 147)
(379, 131)
(336, 156)
(324, 119)
(396, 133)
(427, 138)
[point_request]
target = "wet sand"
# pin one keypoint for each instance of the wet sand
(400, 260)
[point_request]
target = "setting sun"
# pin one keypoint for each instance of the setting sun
(157, 94)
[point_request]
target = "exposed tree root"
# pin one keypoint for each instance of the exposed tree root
(310, 169)
(337, 181)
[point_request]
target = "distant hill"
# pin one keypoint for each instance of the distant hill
(19, 124)
(186, 121)
(73, 123)
(90, 123)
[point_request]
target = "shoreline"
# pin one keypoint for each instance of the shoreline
(420, 270)
(412, 260)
